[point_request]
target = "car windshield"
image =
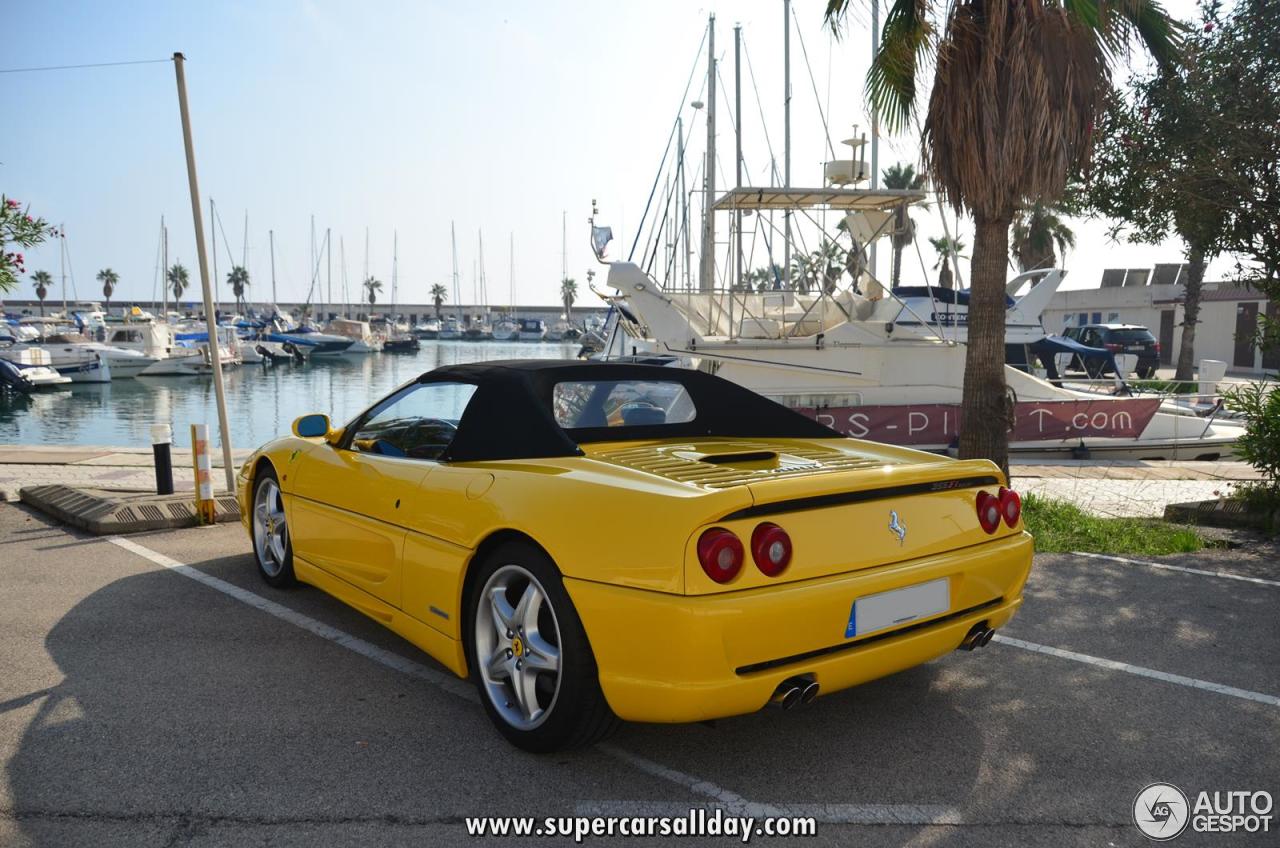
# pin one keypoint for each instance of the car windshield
(1131, 335)
(587, 404)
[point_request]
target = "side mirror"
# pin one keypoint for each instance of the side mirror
(311, 426)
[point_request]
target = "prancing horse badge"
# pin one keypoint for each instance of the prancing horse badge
(897, 526)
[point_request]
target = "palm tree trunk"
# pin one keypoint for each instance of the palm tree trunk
(897, 267)
(985, 407)
(1190, 314)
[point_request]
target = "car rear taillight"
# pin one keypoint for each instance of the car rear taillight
(1010, 506)
(1114, 348)
(721, 554)
(770, 548)
(1157, 347)
(988, 511)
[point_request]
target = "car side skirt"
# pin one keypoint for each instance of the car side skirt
(448, 652)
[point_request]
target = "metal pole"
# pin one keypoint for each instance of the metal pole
(737, 119)
(786, 137)
(328, 272)
(875, 129)
(214, 359)
(707, 279)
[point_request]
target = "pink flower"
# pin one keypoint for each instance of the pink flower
(28, 219)
(1208, 27)
(13, 204)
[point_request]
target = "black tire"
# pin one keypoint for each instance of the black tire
(1147, 372)
(278, 575)
(579, 715)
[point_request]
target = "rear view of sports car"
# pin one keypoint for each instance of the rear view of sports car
(595, 542)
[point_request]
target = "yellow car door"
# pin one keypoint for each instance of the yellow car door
(354, 500)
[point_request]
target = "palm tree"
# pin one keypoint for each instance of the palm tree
(1037, 230)
(109, 279)
(178, 280)
(568, 292)
(238, 278)
(764, 279)
(944, 247)
(438, 296)
(820, 268)
(42, 281)
(372, 286)
(904, 228)
(1016, 90)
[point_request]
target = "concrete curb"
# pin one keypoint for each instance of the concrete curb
(1230, 514)
(106, 512)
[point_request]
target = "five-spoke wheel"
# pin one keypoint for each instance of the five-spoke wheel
(529, 655)
(271, 545)
(518, 647)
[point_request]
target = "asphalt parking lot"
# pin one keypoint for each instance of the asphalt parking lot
(144, 703)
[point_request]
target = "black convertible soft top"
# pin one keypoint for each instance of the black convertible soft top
(510, 414)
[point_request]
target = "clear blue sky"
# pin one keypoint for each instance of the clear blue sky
(402, 116)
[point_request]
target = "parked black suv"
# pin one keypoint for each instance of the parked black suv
(1117, 338)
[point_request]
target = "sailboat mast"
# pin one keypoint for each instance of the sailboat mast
(328, 273)
(271, 239)
(707, 278)
(164, 272)
(395, 270)
(457, 287)
(346, 295)
(786, 138)
(737, 119)
(62, 263)
(213, 228)
(511, 272)
(875, 125)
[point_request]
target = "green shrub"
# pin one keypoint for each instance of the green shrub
(1259, 404)
(1063, 527)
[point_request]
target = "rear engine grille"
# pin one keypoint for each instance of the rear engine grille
(666, 462)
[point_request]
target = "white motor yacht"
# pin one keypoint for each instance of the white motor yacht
(363, 339)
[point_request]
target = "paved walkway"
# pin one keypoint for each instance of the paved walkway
(1116, 488)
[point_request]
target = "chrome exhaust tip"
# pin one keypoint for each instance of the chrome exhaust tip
(809, 693)
(790, 692)
(986, 637)
(977, 636)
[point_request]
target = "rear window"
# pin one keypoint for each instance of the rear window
(621, 403)
(1129, 336)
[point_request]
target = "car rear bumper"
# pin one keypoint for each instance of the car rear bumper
(673, 658)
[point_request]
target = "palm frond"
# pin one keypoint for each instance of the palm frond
(891, 80)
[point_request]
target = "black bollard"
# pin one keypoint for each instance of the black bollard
(161, 438)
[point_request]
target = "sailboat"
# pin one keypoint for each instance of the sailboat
(478, 328)
(868, 360)
(508, 329)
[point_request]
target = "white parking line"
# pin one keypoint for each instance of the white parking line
(1166, 566)
(732, 802)
(447, 682)
(1128, 668)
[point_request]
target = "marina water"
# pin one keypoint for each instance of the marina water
(262, 401)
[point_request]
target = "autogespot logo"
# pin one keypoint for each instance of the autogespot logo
(1160, 811)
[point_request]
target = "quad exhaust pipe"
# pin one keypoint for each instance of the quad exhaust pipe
(794, 692)
(978, 636)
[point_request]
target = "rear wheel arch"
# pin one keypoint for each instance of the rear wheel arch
(484, 550)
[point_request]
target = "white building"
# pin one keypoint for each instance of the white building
(1229, 315)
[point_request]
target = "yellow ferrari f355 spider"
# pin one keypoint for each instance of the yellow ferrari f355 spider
(592, 542)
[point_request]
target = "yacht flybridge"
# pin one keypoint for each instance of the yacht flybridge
(823, 335)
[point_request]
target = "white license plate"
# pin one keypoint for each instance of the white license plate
(898, 607)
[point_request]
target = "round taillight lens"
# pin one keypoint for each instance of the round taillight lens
(770, 548)
(721, 554)
(1010, 506)
(988, 511)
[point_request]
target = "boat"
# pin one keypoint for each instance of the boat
(562, 331)
(450, 330)
(506, 330)
(532, 329)
(363, 339)
(314, 343)
(428, 329)
(71, 350)
(868, 360)
(28, 370)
